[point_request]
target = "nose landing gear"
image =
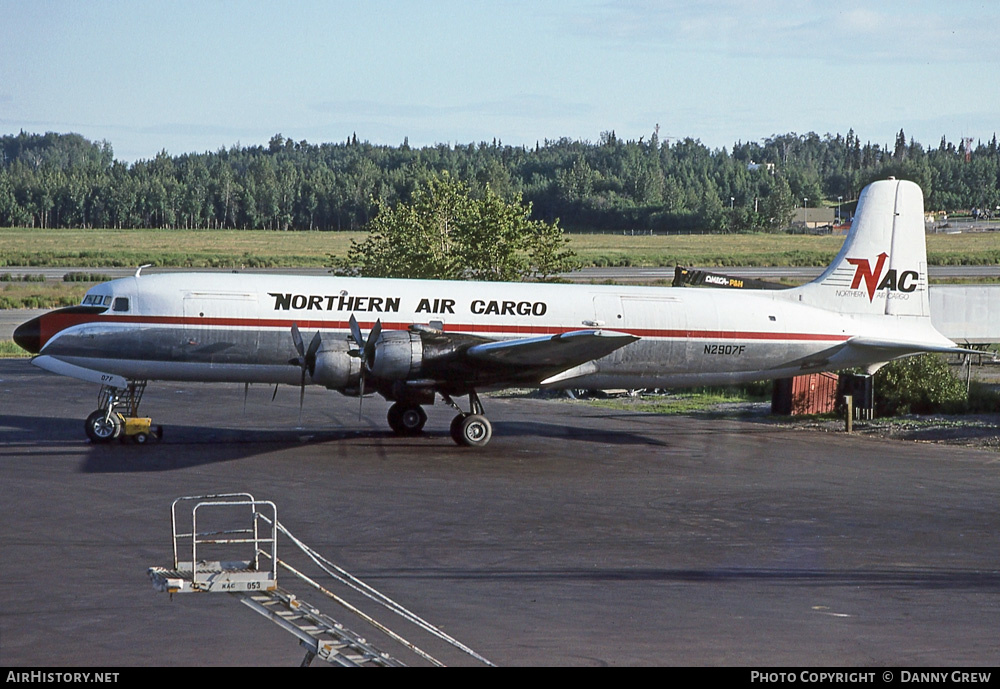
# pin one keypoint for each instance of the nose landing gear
(108, 423)
(103, 426)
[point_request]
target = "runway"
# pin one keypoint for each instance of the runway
(580, 536)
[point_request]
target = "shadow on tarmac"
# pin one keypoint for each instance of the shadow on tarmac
(918, 578)
(29, 435)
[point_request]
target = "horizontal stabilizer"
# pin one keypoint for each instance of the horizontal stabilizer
(894, 348)
(564, 350)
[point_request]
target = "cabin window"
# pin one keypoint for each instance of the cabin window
(121, 304)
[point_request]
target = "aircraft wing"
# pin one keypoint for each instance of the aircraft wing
(561, 351)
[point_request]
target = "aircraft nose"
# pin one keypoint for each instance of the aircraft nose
(28, 335)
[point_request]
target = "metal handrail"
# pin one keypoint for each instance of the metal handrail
(215, 537)
(266, 511)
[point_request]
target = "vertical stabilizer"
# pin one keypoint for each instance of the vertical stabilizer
(882, 267)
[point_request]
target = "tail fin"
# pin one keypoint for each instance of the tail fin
(882, 267)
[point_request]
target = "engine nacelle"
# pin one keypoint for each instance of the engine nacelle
(398, 355)
(336, 369)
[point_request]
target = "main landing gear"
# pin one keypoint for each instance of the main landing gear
(117, 416)
(407, 419)
(471, 429)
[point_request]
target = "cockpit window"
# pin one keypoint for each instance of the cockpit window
(97, 300)
(121, 304)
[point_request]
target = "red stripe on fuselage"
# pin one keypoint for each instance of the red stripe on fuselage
(59, 322)
(51, 324)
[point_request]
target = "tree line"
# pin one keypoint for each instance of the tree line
(65, 180)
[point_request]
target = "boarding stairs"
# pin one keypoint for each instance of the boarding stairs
(220, 523)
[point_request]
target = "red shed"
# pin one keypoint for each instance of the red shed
(812, 394)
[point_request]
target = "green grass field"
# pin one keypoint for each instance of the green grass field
(184, 248)
(9, 350)
(256, 248)
(41, 295)
(703, 400)
(99, 248)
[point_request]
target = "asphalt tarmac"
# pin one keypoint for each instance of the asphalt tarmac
(580, 536)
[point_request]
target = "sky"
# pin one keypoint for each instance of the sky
(190, 77)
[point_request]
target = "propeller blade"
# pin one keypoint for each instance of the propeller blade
(366, 350)
(356, 332)
(297, 339)
(372, 343)
(310, 357)
(361, 394)
(302, 393)
(306, 358)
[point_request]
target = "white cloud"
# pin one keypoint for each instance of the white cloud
(845, 31)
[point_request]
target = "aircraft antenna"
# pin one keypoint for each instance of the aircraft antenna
(967, 140)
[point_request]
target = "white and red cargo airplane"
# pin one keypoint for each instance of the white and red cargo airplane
(427, 337)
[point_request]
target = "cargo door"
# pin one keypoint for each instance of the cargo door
(221, 327)
(661, 322)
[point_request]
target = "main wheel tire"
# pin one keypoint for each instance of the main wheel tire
(413, 419)
(476, 430)
(393, 417)
(456, 429)
(405, 419)
(101, 428)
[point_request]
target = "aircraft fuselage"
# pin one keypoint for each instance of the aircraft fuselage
(235, 327)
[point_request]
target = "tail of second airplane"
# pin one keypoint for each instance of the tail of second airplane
(882, 267)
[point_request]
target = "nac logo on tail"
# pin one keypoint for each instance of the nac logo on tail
(906, 281)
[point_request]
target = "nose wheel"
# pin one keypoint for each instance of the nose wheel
(102, 426)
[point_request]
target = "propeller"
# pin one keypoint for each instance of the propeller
(306, 359)
(366, 352)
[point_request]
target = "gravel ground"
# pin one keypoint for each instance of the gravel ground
(974, 430)
(965, 430)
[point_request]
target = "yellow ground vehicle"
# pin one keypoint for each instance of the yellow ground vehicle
(139, 430)
(106, 423)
